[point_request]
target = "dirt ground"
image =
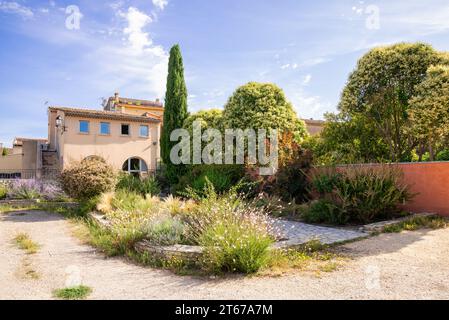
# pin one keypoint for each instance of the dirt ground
(409, 265)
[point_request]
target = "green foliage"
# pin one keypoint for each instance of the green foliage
(325, 211)
(222, 177)
(347, 139)
(88, 178)
(235, 246)
(236, 235)
(429, 113)
(356, 194)
(144, 186)
(380, 89)
(24, 242)
(175, 112)
(443, 155)
(209, 119)
(4, 152)
(291, 182)
(73, 293)
(3, 191)
(165, 230)
(374, 106)
(416, 223)
(262, 106)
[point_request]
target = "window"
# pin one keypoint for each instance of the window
(84, 126)
(105, 128)
(144, 132)
(125, 129)
(135, 166)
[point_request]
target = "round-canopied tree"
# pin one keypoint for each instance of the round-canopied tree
(429, 109)
(380, 88)
(209, 119)
(175, 112)
(262, 106)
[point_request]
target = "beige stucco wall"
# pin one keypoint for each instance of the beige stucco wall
(31, 155)
(138, 111)
(11, 162)
(114, 148)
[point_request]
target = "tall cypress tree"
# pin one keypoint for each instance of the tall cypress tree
(175, 111)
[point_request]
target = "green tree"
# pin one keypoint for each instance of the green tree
(175, 112)
(345, 140)
(429, 109)
(262, 106)
(4, 152)
(209, 119)
(380, 88)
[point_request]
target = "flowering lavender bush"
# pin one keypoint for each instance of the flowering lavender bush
(34, 189)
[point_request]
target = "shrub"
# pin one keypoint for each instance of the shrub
(443, 155)
(222, 177)
(3, 191)
(325, 211)
(356, 194)
(236, 236)
(143, 186)
(25, 189)
(35, 189)
(165, 230)
(236, 245)
(127, 205)
(291, 182)
(88, 178)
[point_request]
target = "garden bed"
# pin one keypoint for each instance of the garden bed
(294, 235)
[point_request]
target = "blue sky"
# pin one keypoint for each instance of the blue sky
(308, 48)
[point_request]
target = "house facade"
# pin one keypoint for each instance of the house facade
(125, 134)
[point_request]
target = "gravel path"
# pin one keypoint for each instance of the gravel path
(410, 265)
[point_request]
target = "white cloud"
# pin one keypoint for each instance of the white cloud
(16, 8)
(138, 67)
(285, 66)
(422, 20)
(309, 106)
(307, 79)
(137, 21)
(160, 4)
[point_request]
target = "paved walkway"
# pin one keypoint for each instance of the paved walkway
(298, 233)
(410, 265)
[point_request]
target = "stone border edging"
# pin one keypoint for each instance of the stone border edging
(380, 226)
(191, 254)
(30, 202)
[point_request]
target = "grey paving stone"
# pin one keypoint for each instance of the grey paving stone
(296, 233)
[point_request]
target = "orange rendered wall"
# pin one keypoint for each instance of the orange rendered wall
(429, 181)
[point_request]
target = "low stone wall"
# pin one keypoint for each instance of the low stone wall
(380, 226)
(17, 203)
(183, 252)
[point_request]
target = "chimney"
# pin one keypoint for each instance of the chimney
(116, 96)
(157, 100)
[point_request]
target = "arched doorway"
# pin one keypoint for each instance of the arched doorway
(135, 166)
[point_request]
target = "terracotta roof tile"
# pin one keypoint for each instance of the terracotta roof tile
(100, 114)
